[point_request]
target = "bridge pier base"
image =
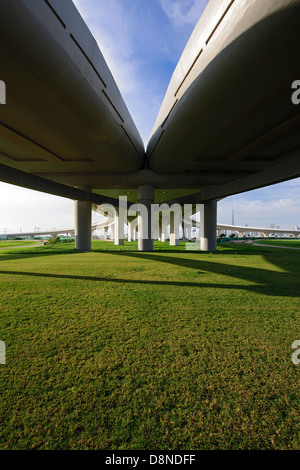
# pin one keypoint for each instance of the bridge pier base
(132, 225)
(174, 229)
(186, 231)
(83, 222)
(105, 233)
(160, 229)
(129, 228)
(145, 237)
(163, 230)
(119, 229)
(208, 224)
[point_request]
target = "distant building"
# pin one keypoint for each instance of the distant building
(232, 217)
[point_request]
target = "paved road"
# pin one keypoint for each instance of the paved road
(276, 246)
(250, 242)
(16, 247)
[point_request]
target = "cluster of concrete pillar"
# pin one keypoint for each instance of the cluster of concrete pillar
(146, 225)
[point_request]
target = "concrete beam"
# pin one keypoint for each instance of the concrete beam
(165, 180)
(26, 180)
(274, 175)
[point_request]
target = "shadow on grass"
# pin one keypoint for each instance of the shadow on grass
(266, 282)
(121, 281)
(269, 282)
(261, 289)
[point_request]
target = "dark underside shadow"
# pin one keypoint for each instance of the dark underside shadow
(263, 281)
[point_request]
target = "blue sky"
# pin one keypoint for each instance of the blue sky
(142, 41)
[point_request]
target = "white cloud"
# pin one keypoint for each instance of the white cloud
(114, 30)
(114, 39)
(277, 204)
(26, 209)
(183, 12)
(133, 37)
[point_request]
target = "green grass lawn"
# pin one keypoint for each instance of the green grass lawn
(173, 349)
(295, 243)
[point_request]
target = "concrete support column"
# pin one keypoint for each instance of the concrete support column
(132, 224)
(159, 229)
(156, 231)
(119, 229)
(188, 233)
(112, 230)
(129, 231)
(105, 228)
(164, 230)
(208, 224)
(145, 199)
(156, 225)
(183, 233)
(83, 222)
(105, 233)
(174, 229)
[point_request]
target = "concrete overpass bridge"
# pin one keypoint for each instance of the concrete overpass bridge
(227, 123)
(54, 232)
(266, 232)
(163, 234)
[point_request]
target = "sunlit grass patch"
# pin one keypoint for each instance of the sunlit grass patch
(117, 349)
